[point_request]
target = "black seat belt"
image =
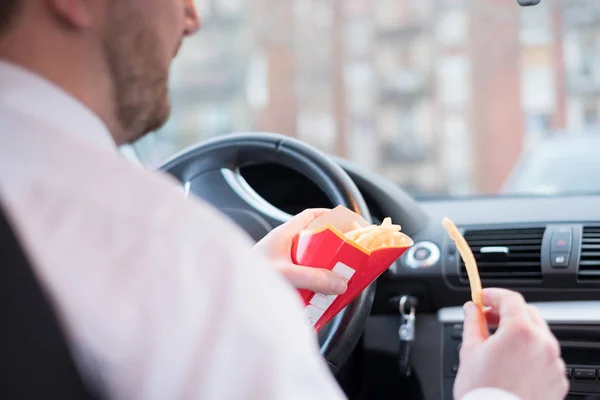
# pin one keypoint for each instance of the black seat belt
(35, 361)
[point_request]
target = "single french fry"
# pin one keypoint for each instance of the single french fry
(469, 259)
(354, 234)
(387, 221)
(390, 228)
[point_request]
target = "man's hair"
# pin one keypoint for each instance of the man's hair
(8, 13)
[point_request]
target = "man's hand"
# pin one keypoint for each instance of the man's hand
(522, 357)
(277, 247)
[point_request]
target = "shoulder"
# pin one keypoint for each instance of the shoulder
(68, 192)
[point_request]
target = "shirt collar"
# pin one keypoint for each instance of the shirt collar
(39, 98)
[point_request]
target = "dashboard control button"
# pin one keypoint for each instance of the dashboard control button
(454, 368)
(584, 374)
(560, 260)
(569, 373)
(451, 249)
(561, 242)
(422, 255)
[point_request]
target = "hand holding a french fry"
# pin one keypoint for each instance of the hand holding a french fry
(522, 357)
(276, 246)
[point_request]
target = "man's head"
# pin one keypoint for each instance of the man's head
(114, 55)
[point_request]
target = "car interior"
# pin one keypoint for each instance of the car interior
(542, 243)
(547, 247)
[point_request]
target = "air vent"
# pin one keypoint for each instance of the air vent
(589, 263)
(507, 254)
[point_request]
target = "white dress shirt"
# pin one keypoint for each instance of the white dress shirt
(160, 297)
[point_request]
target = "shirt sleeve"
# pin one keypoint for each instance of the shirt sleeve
(205, 317)
(160, 297)
(263, 347)
(489, 394)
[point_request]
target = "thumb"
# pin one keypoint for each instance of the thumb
(302, 220)
(315, 279)
(475, 329)
(285, 232)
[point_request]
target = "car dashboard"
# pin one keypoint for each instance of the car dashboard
(547, 248)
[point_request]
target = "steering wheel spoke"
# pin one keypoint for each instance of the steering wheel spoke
(228, 191)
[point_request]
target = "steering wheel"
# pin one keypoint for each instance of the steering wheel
(211, 171)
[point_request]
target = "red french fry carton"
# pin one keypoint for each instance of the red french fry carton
(324, 245)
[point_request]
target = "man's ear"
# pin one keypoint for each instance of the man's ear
(76, 14)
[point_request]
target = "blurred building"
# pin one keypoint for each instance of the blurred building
(454, 95)
(581, 26)
(404, 51)
(439, 96)
(274, 30)
(496, 113)
(542, 75)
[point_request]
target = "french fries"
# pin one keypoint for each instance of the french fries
(374, 237)
(469, 259)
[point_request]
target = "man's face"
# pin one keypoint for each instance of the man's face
(140, 42)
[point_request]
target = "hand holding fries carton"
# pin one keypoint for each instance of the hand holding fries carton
(343, 242)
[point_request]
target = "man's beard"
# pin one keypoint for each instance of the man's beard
(139, 78)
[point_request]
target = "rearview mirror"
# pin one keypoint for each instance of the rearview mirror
(525, 3)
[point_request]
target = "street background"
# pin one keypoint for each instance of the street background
(439, 96)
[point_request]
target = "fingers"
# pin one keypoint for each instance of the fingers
(536, 317)
(505, 307)
(509, 305)
(521, 320)
(315, 279)
(300, 221)
(475, 329)
(492, 317)
(285, 232)
(551, 346)
(306, 217)
(561, 385)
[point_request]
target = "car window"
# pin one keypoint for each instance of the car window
(439, 96)
(558, 166)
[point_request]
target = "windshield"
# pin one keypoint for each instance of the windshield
(442, 97)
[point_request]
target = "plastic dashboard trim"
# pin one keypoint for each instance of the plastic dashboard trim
(568, 312)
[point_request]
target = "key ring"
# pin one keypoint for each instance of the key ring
(403, 302)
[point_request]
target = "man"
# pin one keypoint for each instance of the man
(155, 305)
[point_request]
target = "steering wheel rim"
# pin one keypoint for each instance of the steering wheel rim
(206, 162)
